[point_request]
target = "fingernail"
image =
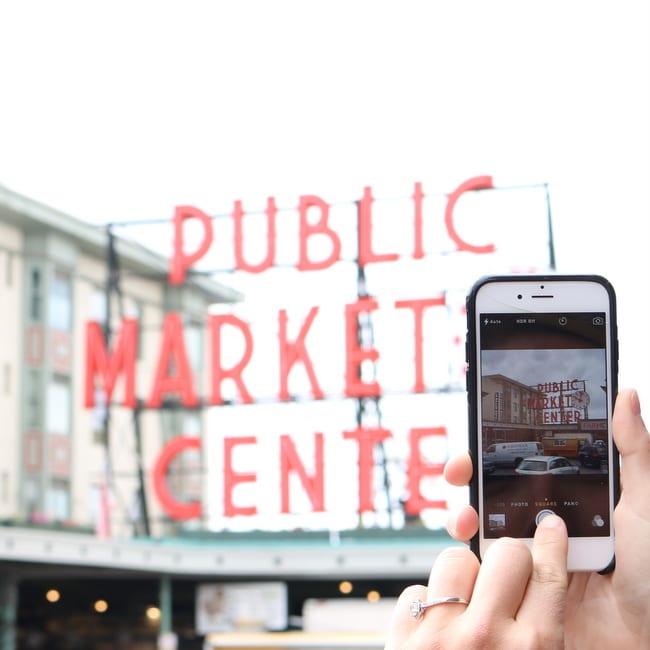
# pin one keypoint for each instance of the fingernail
(635, 403)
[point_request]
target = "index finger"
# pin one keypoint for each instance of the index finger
(501, 582)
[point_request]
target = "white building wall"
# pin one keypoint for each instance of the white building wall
(26, 243)
(11, 292)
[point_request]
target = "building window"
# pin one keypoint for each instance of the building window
(58, 500)
(498, 406)
(98, 306)
(60, 303)
(33, 399)
(191, 423)
(194, 346)
(31, 496)
(35, 295)
(58, 406)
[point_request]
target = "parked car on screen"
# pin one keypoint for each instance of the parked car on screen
(592, 455)
(510, 454)
(541, 465)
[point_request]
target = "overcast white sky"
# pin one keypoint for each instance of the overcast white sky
(122, 110)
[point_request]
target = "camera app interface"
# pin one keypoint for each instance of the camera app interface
(544, 422)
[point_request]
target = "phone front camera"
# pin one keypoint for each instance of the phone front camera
(519, 296)
(541, 286)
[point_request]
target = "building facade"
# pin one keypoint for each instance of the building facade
(506, 400)
(63, 464)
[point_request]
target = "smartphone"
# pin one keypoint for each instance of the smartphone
(542, 357)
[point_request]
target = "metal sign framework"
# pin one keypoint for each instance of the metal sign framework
(368, 409)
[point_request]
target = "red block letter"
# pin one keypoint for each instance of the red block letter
(476, 183)
(173, 356)
(365, 253)
(269, 260)
(321, 228)
(219, 373)
(366, 439)
(181, 262)
(418, 247)
(292, 352)
(355, 355)
(417, 469)
(314, 486)
(232, 478)
(418, 307)
(122, 360)
(174, 508)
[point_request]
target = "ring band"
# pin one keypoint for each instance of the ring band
(418, 606)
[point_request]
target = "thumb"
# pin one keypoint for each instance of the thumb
(633, 442)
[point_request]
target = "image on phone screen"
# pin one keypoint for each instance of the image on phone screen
(544, 422)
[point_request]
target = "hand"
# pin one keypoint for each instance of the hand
(516, 597)
(613, 610)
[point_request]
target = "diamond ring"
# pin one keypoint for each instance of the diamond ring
(418, 606)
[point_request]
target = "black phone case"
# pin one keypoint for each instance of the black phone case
(471, 354)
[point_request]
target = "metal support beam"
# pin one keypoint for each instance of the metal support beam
(8, 610)
(166, 602)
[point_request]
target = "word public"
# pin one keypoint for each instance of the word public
(309, 227)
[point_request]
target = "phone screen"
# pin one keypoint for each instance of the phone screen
(544, 434)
